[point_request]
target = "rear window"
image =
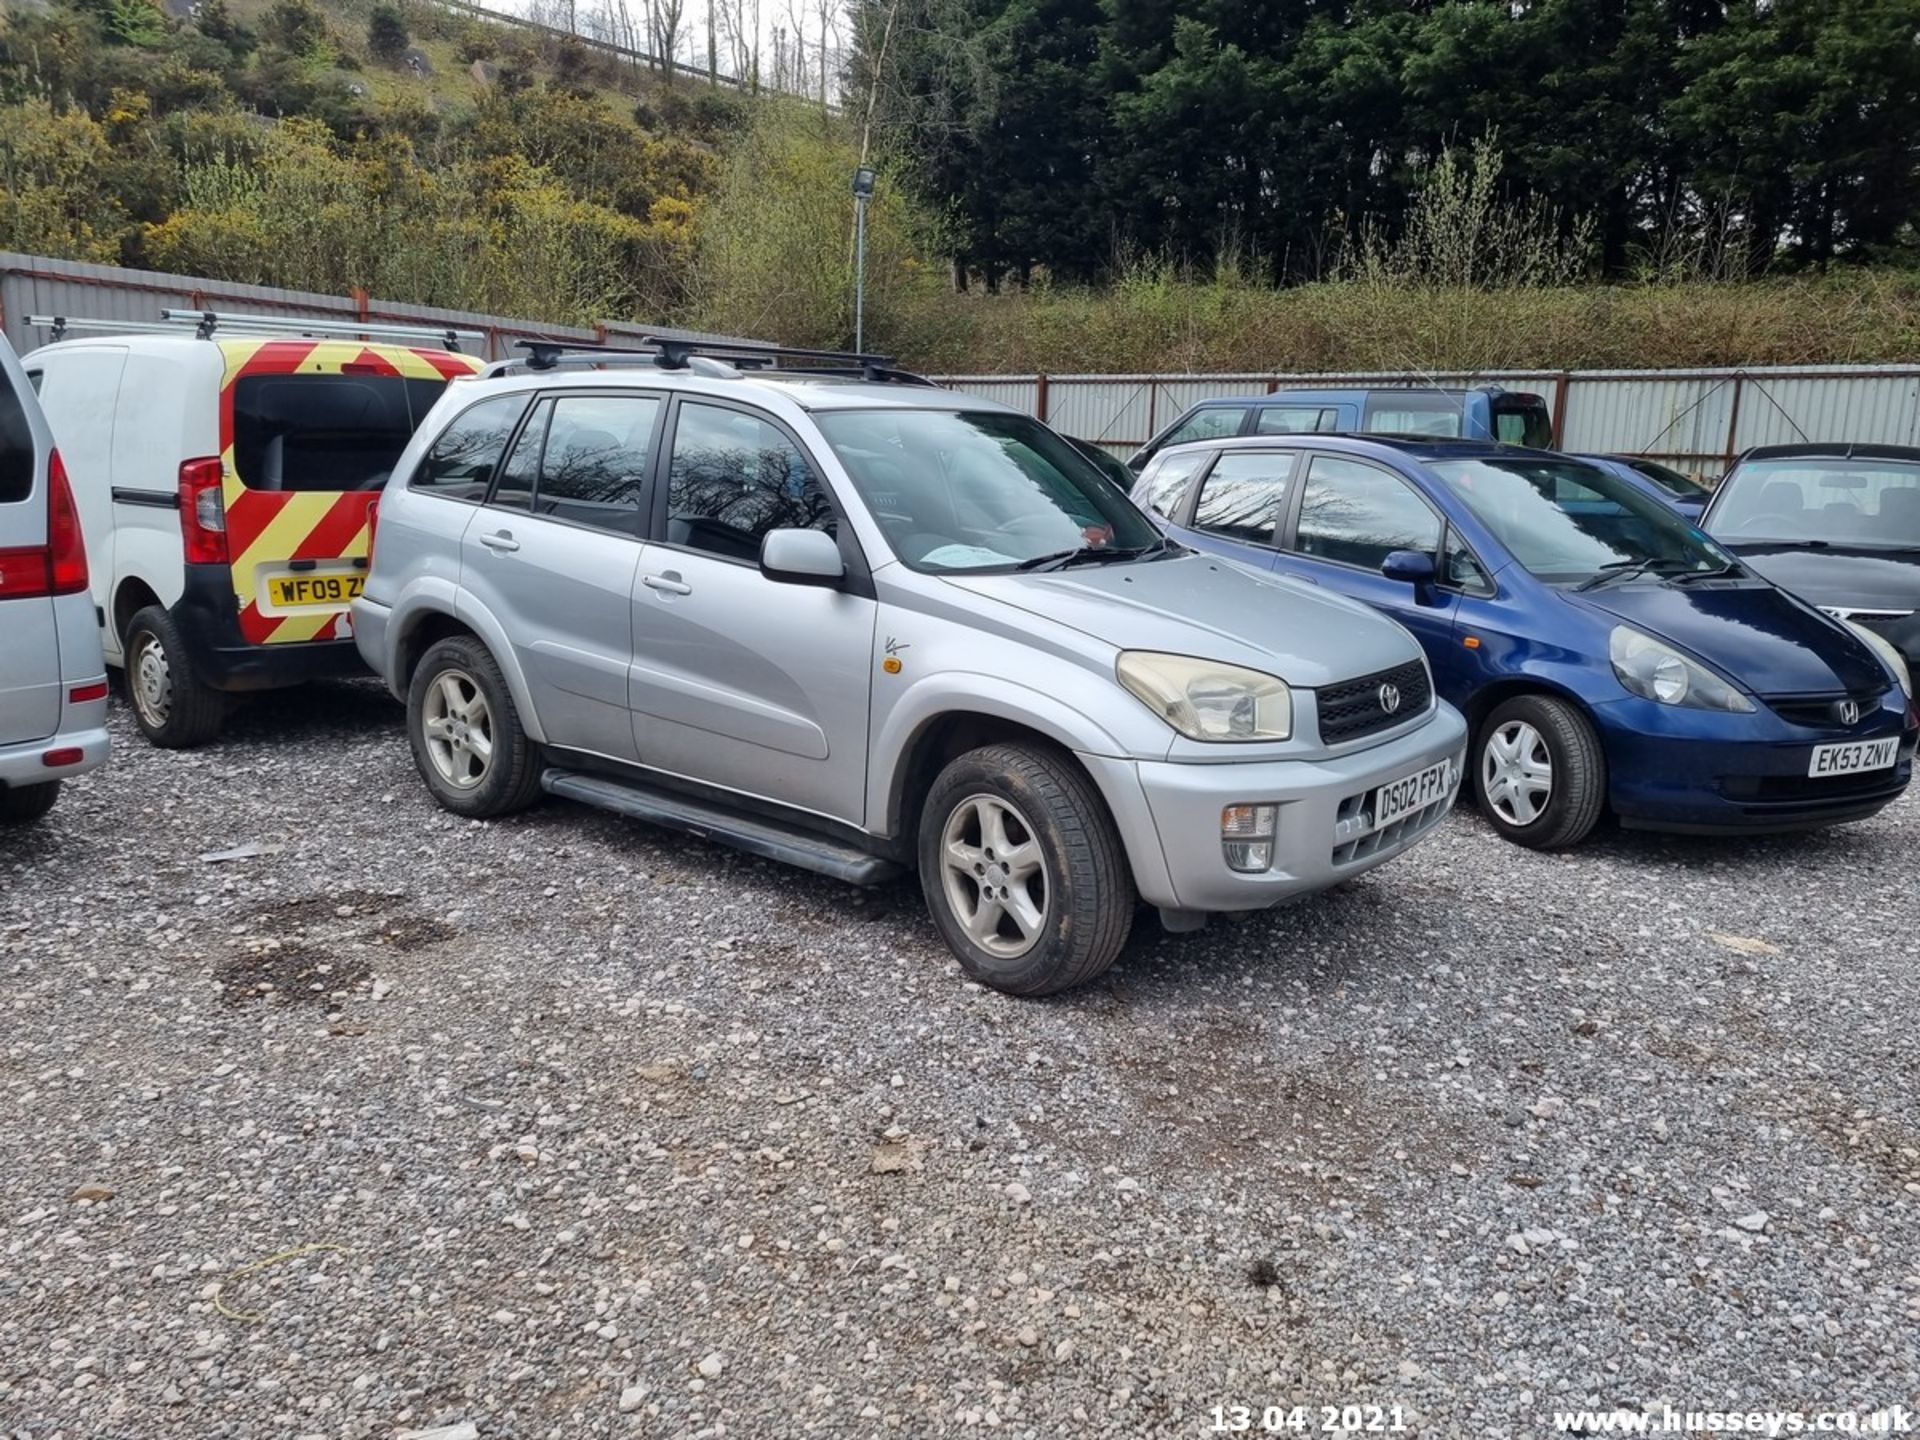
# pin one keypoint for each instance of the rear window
(1523, 422)
(325, 432)
(16, 446)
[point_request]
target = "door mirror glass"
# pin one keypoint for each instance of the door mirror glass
(1412, 566)
(801, 557)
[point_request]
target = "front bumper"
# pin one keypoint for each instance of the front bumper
(1169, 817)
(1709, 772)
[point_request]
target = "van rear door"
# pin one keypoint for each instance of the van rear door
(309, 434)
(30, 651)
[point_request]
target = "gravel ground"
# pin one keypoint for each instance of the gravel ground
(580, 1129)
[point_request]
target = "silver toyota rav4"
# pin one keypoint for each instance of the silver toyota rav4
(863, 625)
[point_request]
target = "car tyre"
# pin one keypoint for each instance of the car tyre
(467, 738)
(1539, 772)
(23, 804)
(1023, 870)
(170, 705)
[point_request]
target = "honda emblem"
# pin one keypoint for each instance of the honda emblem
(1849, 712)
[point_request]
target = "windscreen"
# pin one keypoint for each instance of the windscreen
(1865, 503)
(325, 432)
(979, 490)
(1568, 523)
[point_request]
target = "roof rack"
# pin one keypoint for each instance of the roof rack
(206, 323)
(720, 359)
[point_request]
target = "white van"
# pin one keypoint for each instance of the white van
(225, 482)
(53, 688)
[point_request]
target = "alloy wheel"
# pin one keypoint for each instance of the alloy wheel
(994, 876)
(1516, 773)
(458, 725)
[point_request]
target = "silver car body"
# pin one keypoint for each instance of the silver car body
(49, 644)
(701, 668)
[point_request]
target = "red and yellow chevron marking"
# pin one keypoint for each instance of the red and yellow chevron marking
(269, 527)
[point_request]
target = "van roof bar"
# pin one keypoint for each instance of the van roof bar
(207, 322)
(60, 325)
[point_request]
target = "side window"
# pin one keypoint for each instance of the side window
(460, 463)
(593, 465)
(1209, 424)
(1244, 495)
(35, 378)
(1292, 419)
(1355, 513)
(734, 477)
(16, 446)
(514, 488)
(1163, 488)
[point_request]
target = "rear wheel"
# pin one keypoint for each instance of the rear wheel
(1023, 871)
(173, 709)
(1539, 772)
(466, 735)
(20, 804)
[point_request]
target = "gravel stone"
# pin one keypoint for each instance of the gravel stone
(507, 1200)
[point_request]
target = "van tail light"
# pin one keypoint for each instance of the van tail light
(58, 567)
(203, 512)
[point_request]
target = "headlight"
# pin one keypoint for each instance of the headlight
(1208, 700)
(1655, 671)
(1883, 647)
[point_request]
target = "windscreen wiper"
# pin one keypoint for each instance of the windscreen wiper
(1095, 555)
(1617, 570)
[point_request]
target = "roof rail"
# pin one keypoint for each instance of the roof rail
(206, 323)
(724, 358)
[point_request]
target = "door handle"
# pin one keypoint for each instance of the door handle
(669, 583)
(500, 540)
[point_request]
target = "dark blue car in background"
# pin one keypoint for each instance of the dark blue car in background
(1681, 493)
(1607, 654)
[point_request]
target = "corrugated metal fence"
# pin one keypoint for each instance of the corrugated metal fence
(35, 285)
(1697, 420)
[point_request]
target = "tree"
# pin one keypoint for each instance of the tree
(387, 35)
(297, 27)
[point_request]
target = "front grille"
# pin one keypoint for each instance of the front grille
(1352, 708)
(1821, 712)
(1388, 837)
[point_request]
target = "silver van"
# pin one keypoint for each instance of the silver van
(53, 683)
(867, 626)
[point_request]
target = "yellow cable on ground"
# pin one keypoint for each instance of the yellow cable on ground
(284, 1255)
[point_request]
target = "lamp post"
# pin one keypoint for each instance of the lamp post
(862, 193)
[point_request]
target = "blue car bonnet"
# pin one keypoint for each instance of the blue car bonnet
(1758, 636)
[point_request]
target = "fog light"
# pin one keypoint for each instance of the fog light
(1246, 836)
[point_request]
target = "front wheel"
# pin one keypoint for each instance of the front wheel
(1023, 870)
(1539, 772)
(466, 735)
(22, 804)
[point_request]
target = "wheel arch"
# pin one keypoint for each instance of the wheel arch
(939, 740)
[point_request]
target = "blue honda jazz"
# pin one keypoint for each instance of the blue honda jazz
(1609, 656)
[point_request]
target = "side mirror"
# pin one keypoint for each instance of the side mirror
(1415, 567)
(802, 557)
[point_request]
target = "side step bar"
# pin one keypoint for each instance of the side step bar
(726, 827)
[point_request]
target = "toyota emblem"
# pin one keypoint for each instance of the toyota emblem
(1389, 699)
(1849, 712)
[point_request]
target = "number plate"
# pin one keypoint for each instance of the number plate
(1853, 758)
(1410, 793)
(291, 592)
